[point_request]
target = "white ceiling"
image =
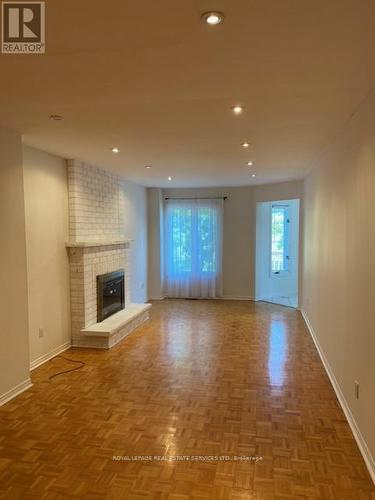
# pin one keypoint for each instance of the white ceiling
(152, 79)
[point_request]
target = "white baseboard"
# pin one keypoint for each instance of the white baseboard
(23, 386)
(228, 297)
(159, 297)
(362, 445)
(51, 354)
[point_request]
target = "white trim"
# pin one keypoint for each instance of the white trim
(362, 445)
(158, 297)
(49, 355)
(228, 297)
(23, 386)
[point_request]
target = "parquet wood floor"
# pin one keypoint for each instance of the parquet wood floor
(217, 378)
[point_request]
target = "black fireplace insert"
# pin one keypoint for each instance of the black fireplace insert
(110, 293)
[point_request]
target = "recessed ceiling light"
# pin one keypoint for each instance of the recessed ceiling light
(250, 163)
(148, 166)
(57, 118)
(169, 178)
(237, 110)
(245, 144)
(213, 18)
(253, 175)
(115, 150)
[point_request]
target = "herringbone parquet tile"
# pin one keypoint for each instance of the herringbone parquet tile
(210, 378)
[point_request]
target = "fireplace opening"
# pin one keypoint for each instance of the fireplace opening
(110, 294)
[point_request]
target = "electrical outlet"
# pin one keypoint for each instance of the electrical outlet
(356, 389)
(41, 332)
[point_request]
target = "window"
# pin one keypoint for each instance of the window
(193, 247)
(207, 221)
(180, 239)
(280, 224)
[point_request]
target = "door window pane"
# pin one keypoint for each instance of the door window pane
(280, 239)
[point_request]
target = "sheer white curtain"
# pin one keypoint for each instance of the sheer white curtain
(193, 248)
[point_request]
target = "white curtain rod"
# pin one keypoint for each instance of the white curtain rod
(199, 198)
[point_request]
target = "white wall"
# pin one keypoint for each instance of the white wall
(155, 243)
(237, 237)
(46, 208)
(239, 230)
(135, 227)
(14, 351)
(339, 273)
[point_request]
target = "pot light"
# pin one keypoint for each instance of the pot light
(57, 118)
(148, 166)
(169, 178)
(115, 150)
(245, 144)
(253, 175)
(213, 18)
(250, 163)
(237, 110)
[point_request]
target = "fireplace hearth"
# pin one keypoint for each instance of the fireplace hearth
(110, 294)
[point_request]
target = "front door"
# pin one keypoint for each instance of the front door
(277, 252)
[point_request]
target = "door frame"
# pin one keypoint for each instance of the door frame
(263, 210)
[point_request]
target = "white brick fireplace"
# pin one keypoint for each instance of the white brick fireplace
(98, 246)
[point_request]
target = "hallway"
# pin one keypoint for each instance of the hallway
(202, 378)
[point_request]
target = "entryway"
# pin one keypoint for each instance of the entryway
(277, 242)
